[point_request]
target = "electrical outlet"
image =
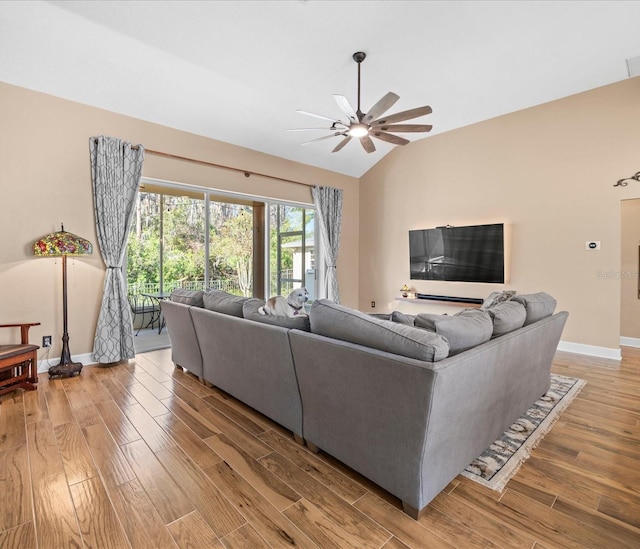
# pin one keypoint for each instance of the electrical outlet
(373, 304)
(46, 341)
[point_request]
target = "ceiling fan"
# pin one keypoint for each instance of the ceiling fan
(370, 124)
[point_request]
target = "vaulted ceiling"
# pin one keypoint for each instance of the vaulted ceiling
(237, 71)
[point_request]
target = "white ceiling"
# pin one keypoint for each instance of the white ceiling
(238, 70)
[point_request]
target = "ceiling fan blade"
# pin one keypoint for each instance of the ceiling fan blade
(322, 138)
(346, 107)
(382, 106)
(319, 116)
(403, 128)
(308, 129)
(404, 115)
(367, 144)
(342, 144)
(389, 138)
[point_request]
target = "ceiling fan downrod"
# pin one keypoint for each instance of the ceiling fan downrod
(359, 57)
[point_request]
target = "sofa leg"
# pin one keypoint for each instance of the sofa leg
(298, 439)
(411, 511)
(312, 447)
(178, 367)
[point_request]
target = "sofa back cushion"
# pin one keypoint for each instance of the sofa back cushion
(250, 311)
(538, 306)
(188, 297)
(466, 329)
(223, 302)
(332, 320)
(507, 317)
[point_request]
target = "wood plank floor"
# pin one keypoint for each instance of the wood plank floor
(143, 455)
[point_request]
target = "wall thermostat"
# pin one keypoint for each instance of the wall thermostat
(592, 245)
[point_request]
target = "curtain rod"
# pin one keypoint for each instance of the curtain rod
(246, 173)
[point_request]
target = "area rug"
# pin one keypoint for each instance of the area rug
(498, 463)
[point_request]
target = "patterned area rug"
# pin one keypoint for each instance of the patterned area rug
(498, 463)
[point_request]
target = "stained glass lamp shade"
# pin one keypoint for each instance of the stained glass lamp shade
(62, 244)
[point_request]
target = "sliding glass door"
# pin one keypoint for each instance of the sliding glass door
(196, 239)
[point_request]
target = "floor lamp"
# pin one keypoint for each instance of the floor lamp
(62, 244)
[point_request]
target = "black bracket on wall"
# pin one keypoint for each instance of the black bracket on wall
(623, 182)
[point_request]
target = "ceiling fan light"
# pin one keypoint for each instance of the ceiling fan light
(358, 130)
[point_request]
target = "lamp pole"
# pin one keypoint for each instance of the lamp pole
(65, 356)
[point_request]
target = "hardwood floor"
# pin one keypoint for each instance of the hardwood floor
(143, 455)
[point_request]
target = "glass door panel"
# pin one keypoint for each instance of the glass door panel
(292, 247)
(230, 265)
(183, 247)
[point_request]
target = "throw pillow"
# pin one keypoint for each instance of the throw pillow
(250, 311)
(223, 302)
(381, 316)
(507, 317)
(466, 329)
(401, 318)
(188, 297)
(538, 306)
(497, 297)
(332, 320)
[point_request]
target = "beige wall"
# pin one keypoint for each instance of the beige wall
(630, 236)
(45, 180)
(547, 173)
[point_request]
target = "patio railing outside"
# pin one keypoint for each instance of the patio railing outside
(228, 285)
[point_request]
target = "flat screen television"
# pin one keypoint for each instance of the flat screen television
(462, 254)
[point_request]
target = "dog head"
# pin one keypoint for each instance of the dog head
(298, 298)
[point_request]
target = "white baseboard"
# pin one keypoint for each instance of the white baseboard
(591, 350)
(630, 341)
(44, 365)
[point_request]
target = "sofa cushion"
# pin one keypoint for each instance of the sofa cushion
(188, 297)
(250, 311)
(401, 318)
(223, 302)
(507, 317)
(538, 306)
(332, 320)
(466, 329)
(494, 298)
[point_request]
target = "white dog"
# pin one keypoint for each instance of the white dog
(290, 306)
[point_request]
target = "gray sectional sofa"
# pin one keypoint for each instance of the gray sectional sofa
(408, 402)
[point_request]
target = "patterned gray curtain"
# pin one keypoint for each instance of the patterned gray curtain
(116, 169)
(328, 201)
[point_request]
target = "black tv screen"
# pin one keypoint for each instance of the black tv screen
(462, 254)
